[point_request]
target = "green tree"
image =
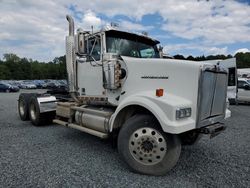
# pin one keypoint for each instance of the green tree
(243, 60)
(4, 72)
(191, 58)
(178, 56)
(11, 57)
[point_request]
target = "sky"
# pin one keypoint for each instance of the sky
(37, 29)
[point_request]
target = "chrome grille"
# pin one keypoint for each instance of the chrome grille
(220, 93)
(212, 95)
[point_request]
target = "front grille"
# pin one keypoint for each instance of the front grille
(212, 94)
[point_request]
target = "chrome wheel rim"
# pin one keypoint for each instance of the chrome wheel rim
(32, 112)
(21, 107)
(147, 146)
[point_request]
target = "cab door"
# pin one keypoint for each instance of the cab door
(90, 76)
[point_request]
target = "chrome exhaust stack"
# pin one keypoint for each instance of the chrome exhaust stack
(71, 60)
(71, 25)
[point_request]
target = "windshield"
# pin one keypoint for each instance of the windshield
(131, 45)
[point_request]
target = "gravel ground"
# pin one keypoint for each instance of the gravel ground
(54, 156)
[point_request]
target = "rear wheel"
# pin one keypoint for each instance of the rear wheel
(23, 106)
(36, 117)
(146, 148)
(34, 112)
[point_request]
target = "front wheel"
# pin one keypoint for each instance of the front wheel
(146, 148)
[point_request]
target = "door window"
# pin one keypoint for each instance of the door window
(94, 49)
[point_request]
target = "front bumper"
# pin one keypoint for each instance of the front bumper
(228, 114)
(213, 130)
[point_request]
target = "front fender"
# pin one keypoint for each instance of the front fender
(163, 108)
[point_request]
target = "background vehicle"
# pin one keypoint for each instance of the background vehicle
(16, 83)
(243, 90)
(28, 85)
(53, 84)
(40, 84)
(244, 73)
(8, 88)
(120, 88)
(57, 87)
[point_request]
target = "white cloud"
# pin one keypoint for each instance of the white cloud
(37, 29)
(4, 35)
(215, 22)
(32, 29)
(216, 50)
(127, 25)
(202, 49)
(90, 19)
(243, 50)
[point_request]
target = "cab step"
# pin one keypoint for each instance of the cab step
(213, 130)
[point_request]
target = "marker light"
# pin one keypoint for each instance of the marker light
(159, 92)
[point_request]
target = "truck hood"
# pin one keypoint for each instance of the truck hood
(178, 78)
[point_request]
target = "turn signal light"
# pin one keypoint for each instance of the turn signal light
(159, 92)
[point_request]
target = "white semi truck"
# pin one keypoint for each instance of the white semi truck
(120, 88)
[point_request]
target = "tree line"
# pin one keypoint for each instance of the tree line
(242, 59)
(13, 67)
(16, 68)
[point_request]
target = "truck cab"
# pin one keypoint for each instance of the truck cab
(102, 47)
(120, 88)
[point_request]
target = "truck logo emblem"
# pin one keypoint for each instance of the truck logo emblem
(154, 77)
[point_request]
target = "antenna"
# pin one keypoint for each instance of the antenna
(92, 28)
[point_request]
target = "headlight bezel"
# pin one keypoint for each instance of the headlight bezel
(182, 113)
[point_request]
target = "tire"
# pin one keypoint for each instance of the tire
(146, 148)
(190, 138)
(36, 117)
(23, 106)
(7, 91)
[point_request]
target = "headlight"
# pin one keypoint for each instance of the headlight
(183, 113)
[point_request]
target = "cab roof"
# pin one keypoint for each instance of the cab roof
(113, 31)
